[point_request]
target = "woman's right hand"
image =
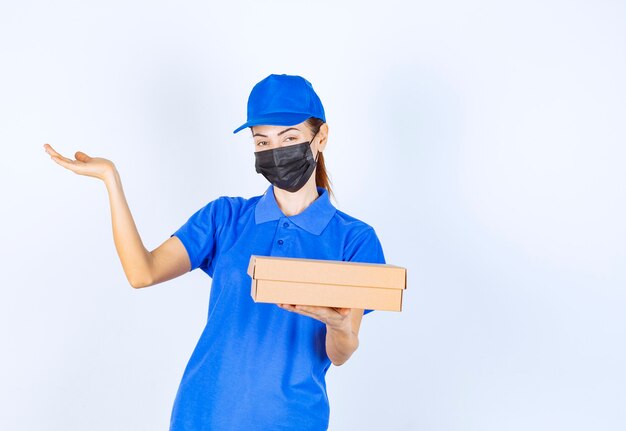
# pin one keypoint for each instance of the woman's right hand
(96, 167)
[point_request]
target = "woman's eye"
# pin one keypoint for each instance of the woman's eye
(264, 143)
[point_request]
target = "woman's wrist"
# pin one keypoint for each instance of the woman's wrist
(344, 327)
(111, 177)
(341, 342)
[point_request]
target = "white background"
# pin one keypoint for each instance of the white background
(483, 140)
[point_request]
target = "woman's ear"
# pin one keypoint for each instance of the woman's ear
(323, 137)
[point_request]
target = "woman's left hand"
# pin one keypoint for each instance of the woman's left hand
(333, 317)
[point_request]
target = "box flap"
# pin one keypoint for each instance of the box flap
(251, 266)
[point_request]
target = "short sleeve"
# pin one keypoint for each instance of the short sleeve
(199, 234)
(365, 248)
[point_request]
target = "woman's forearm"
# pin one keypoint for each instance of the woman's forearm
(341, 343)
(135, 258)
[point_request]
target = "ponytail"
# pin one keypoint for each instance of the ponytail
(321, 175)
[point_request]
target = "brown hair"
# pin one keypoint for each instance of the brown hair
(321, 174)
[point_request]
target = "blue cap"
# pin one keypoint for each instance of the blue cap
(282, 100)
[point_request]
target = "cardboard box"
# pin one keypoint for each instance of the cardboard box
(329, 283)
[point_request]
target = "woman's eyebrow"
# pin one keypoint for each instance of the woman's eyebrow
(279, 133)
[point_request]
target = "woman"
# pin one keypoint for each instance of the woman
(256, 366)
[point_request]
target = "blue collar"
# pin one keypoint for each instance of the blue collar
(313, 219)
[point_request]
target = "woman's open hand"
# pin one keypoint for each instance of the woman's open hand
(96, 167)
(331, 316)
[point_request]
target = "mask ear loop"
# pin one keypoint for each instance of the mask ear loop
(317, 156)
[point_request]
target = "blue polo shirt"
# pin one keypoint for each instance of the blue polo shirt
(257, 366)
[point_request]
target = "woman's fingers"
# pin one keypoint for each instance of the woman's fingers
(51, 151)
(76, 166)
(96, 167)
(66, 164)
(343, 311)
(327, 315)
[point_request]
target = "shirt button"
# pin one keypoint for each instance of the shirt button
(280, 242)
(285, 224)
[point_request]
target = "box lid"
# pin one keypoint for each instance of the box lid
(327, 272)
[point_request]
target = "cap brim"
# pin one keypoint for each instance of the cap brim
(284, 119)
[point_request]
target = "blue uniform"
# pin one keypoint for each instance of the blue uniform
(257, 366)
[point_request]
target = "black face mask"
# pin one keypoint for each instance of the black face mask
(288, 168)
